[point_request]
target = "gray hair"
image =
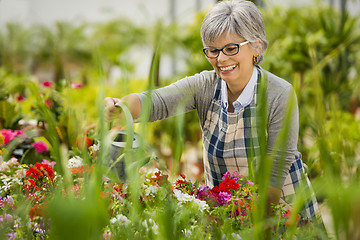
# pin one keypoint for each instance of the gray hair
(238, 17)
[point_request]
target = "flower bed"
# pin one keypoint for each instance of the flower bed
(38, 202)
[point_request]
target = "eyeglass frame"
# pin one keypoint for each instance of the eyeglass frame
(221, 49)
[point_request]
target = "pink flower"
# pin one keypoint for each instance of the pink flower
(8, 217)
(40, 146)
(107, 235)
(47, 162)
(10, 134)
(76, 85)
(47, 84)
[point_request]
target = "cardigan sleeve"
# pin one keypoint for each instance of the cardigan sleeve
(184, 95)
(283, 130)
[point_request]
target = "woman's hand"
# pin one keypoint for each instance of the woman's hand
(111, 111)
(131, 101)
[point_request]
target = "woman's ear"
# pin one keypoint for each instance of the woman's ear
(258, 45)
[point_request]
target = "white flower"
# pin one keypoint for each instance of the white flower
(184, 197)
(186, 232)
(121, 219)
(202, 204)
(125, 188)
(151, 172)
(75, 162)
(95, 147)
(151, 190)
(13, 161)
(154, 170)
(4, 167)
(154, 226)
(20, 173)
(7, 183)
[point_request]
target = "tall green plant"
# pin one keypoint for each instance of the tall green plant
(16, 46)
(60, 46)
(115, 39)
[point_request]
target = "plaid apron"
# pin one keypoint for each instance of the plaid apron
(228, 140)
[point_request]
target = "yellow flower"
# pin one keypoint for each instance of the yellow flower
(2, 139)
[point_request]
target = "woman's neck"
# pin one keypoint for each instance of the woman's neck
(235, 89)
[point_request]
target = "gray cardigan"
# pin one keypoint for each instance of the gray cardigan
(196, 92)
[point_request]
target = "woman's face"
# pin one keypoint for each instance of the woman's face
(236, 69)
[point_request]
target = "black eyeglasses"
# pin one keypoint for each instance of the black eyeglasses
(229, 50)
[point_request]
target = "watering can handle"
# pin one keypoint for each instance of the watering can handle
(129, 124)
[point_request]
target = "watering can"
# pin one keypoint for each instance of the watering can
(125, 143)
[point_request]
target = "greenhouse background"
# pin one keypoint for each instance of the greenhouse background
(59, 59)
(138, 11)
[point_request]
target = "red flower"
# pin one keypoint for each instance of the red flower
(228, 184)
(40, 170)
(160, 179)
(215, 190)
(288, 217)
(48, 102)
(47, 84)
(36, 210)
(84, 142)
(80, 171)
(20, 98)
(34, 173)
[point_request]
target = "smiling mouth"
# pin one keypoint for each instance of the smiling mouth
(228, 68)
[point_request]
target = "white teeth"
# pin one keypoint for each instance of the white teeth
(227, 68)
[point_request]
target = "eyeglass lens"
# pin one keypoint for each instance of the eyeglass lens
(229, 50)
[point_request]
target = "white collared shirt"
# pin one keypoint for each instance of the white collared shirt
(245, 97)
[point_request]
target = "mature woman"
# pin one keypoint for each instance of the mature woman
(226, 98)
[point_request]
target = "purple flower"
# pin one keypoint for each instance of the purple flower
(203, 192)
(223, 198)
(234, 176)
(204, 188)
(12, 235)
(250, 183)
(227, 174)
(234, 235)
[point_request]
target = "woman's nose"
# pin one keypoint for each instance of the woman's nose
(222, 57)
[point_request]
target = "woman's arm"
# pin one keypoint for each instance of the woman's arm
(283, 115)
(283, 131)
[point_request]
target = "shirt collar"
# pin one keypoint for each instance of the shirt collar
(245, 97)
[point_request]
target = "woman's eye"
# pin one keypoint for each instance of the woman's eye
(230, 49)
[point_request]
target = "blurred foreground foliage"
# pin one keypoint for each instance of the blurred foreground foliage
(316, 51)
